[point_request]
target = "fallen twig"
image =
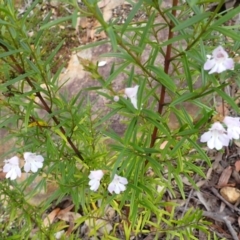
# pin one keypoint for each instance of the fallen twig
(230, 228)
(226, 202)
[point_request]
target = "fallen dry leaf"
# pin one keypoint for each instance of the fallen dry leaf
(68, 216)
(50, 217)
(237, 165)
(66, 210)
(230, 194)
(163, 145)
(226, 174)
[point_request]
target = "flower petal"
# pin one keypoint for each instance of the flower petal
(131, 92)
(206, 136)
(209, 64)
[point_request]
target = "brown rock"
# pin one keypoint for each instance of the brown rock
(230, 194)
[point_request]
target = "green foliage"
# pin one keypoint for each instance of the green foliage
(74, 138)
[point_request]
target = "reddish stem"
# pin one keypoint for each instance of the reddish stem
(167, 61)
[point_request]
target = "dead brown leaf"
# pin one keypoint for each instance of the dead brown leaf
(237, 165)
(50, 217)
(226, 174)
(163, 145)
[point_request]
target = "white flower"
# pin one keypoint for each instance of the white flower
(116, 98)
(32, 162)
(132, 94)
(118, 184)
(216, 137)
(219, 61)
(233, 127)
(12, 168)
(95, 178)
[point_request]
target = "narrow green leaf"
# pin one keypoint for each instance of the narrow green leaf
(91, 45)
(184, 97)
(122, 55)
(53, 54)
(55, 22)
(187, 72)
(5, 54)
(115, 73)
(200, 151)
(163, 78)
(130, 129)
(106, 117)
(176, 39)
(111, 35)
(33, 66)
(228, 99)
(17, 79)
(29, 9)
(191, 21)
(188, 132)
(227, 32)
(131, 15)
(226, 17)
(179, 182)
(158, 125)
(143, 38)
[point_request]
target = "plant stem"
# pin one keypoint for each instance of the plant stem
(166, 70)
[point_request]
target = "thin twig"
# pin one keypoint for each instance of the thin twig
(20, 70)
(230, 228)
(226, 202)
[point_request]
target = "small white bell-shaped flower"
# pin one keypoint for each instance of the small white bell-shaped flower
(219, 61)
(216, 137)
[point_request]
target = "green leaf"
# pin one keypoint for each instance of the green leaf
(129, 132)
(191, 21)
(122, 55)
(5, 54)
(17, 79)
(226, 17)
(187, 72)
(227, 32)
(228, 99)
(29, 9)
(55, 22)
(131, 15)
(115, 73)
(144, 35)
(200, 151)
(33, 66)
(163, 78)
(112, 36)
(91, 45)
(106, 117)
(176, 39)
(53, 54)
(184, 98)
(158, 125)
